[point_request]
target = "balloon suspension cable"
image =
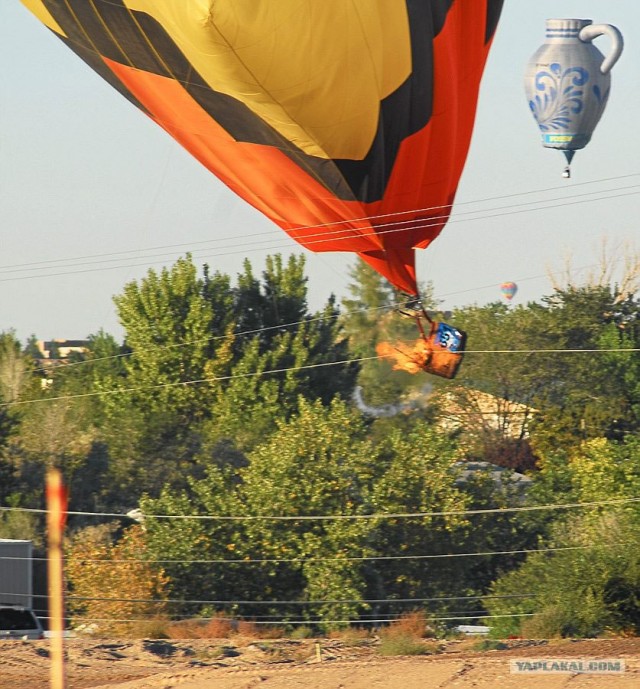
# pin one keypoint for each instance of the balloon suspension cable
(414, 309)
(566, 173)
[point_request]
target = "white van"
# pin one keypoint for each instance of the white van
(18, 622)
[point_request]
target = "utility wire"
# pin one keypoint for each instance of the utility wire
(230, 336)
(366, 218)
(302, 560)
(285, 621)
(325, 364)
(363, 558)
(284, 602)
(185, 383)
(256, 331)
(326, 236)
(331, 517)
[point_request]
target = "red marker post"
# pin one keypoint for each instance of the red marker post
(56, 516)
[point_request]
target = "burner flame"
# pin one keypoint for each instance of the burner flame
(407, 357)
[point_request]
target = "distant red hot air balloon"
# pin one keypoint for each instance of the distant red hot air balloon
(346, 123)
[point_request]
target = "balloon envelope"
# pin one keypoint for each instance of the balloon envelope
(346, 123)
(508, 290)
(567, 82)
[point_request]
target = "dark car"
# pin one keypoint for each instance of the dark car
(18, 622)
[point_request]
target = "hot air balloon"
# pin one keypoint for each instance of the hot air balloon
(567, 83)
(508, 290)
(346, 123)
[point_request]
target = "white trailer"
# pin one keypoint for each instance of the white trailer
(16, 572)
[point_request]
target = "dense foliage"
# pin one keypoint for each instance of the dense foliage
(302, 456)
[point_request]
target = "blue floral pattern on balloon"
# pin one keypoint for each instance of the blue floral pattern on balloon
(561, 96)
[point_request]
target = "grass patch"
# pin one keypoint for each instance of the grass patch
(218, 627)
(405, 645)
(489, 645)
(251, 630)
(405, 636)
(301, 632)
(213, 653)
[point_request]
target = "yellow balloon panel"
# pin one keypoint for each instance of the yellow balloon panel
(315, 72)
(43, 14)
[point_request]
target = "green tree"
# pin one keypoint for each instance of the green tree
(415, 475)
(590, 582)
(593, 394)
(280, 355)
(563, 389)
(322, 463)
(15, 369)
(168, 325)
(15, 372)
(318, 463)
(209, 367)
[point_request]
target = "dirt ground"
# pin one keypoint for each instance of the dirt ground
(322, 664)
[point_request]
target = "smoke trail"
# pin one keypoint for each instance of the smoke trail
(389, 410)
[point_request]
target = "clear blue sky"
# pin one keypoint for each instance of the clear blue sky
(83, 173)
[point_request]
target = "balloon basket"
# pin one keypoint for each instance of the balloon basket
(445, 348)
(444, 344)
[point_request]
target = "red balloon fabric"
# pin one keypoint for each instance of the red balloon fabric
(347, 124)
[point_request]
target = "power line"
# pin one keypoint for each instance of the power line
(281, 602)
(346, 558)
(393, 228)
(233, 335)
(325, 364)
(283, 326)
(331, 517)
(280, 618)
(185, 383)
(285, 621)
(365, 218)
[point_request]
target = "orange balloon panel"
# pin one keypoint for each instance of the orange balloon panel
(346, 123)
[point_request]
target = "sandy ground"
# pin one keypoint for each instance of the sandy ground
(289, 664)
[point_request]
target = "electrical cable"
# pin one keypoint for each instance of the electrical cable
(324, 364)
(366, 218)
(284, 621)
(377, 601)
(363, 558)
(256, 331)
(332, 517)
(327, 235)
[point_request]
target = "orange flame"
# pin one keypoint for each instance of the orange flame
(407, 357)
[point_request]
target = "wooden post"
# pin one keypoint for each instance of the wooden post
(56, 513)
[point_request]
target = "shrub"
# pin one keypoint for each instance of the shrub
(411, 624)
(112, 581)
(399, 644)
(218, 627)
(404, 636)
(301, 632)
(351, 636)
(252, 630)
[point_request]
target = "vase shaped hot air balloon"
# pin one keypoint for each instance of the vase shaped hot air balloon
(346, 123)
(567, 83)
